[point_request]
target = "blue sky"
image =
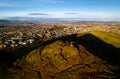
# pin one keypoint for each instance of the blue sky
(92, 9)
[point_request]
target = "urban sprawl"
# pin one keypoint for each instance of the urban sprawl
(18, 34)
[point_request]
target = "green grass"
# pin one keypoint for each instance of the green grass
(108, 37)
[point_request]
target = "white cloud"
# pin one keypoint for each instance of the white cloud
(62, 14)
(12, 14)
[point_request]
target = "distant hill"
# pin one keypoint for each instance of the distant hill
(33, 19)
(93, 55)
(41, 19)
(9, 21)
(4, 21)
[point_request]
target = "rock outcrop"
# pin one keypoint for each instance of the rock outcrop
(62, 60)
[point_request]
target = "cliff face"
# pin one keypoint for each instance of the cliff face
(84, 57)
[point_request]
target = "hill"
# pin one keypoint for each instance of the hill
(83, 56)
(110, 38)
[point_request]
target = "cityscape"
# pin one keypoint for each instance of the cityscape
(22, 34)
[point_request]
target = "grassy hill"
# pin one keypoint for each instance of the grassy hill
(108, 37)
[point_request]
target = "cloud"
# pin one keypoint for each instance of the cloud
(87, 15)
(72, 13)
(38, 14)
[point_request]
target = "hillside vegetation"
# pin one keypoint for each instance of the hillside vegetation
(108, 37)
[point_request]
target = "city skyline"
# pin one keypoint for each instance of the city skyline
(89, 9)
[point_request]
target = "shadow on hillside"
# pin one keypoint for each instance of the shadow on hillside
(93, 44)
(9, 57)
(6, 57)
(99, 48)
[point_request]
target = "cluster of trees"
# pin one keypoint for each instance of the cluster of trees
(57, 28)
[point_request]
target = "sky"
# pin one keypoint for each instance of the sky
(89, 9)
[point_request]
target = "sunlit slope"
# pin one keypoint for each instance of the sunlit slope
(110, 38)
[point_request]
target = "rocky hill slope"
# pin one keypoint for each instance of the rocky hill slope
(82, 56)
